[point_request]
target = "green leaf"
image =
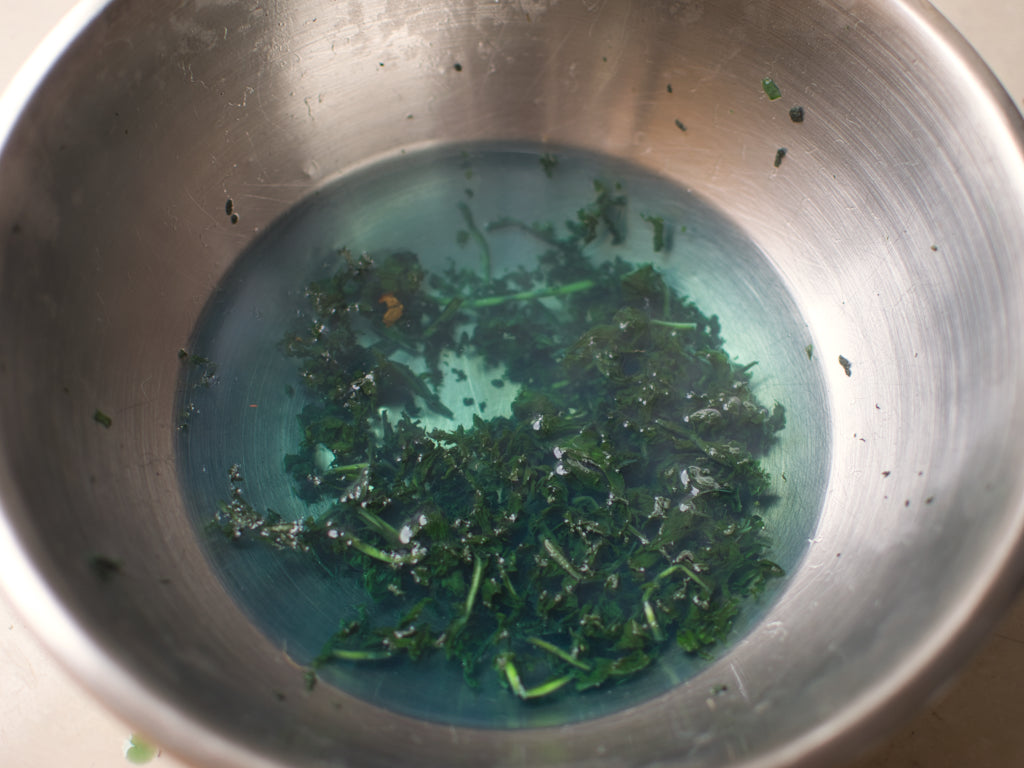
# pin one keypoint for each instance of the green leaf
(139, 751)
(658, 225)
(771, 90)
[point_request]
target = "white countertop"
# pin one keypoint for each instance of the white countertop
(46, 719)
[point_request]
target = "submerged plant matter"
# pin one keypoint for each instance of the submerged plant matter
(613, 513)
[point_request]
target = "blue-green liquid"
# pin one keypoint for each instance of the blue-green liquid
(248, 414)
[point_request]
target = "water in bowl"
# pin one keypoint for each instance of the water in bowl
(241, 396)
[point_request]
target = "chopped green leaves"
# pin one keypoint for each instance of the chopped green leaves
(658, 225)
(615, 512)
(101, 418)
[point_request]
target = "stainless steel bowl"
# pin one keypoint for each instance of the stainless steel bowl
(896, 224)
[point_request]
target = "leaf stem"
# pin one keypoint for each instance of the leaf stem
(535, 293)
(369, 550)
(559, 557)
(449, 311)
(345, 655)
(547, 688)
(512, 675)
(381, 526)
(476, 234)
(554, 650)
(516, 683)
(652, 621)
(474, 585)
(673, 569)
(674, 325)
(347, 468)
(508, 582)
(545, 236)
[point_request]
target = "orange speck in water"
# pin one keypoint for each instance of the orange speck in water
(394, 309)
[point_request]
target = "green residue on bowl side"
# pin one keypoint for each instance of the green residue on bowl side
(138, 751)
(771, 90)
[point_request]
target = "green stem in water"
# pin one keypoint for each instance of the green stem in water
(370, 551)
(536, 293)
(382, 527)
(675, 326)
(474, 586)
(559, 557)
(449, 311)
(516, 683)
(668, 572)
(508, 582)
(554, 650)
(652, 621)
(343, 655)
(547, 688)
(476, 234)
(346, 468)
(544, 235)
